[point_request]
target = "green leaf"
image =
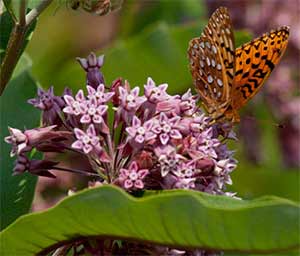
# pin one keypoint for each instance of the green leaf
(251, 181)
(6, 24)
(12, 7)
(159, 52)
(177, 218)
(137, 15)
(16, 191)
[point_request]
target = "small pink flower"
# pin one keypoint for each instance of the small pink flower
(92, 111)
(133, 177)
(166, 128)
(86, 141)
(154, 93)
(188, 103)
(140, 133)
(99, 93)
(130, 100)
(74, 105)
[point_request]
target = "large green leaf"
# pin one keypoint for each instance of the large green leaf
(187, 219)
(16, 191)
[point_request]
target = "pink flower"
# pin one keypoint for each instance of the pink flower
(74, 105)
(140, 133)
(188, 103)
(92, 111)
(133, 177)
(99, 93)
(167, 128)
(168, 159)
(130, 100)
(86, 141)
(154, 93)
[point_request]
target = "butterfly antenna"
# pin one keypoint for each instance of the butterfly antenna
(278, 125)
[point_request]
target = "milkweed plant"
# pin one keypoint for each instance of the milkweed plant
(139, 141)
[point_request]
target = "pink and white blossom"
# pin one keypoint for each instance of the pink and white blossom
(132, 178)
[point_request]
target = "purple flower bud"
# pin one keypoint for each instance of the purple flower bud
(24, 141)
(50, 104)
(36, 167)
(91, 65)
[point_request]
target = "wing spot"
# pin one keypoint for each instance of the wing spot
(202, 45)
(214, 49)
(195, 46)
(248, 61)
(219, 94)
(201, 64)
(207, 45)
(219, 67)
(213, 63)
(257, 54)
(220, 83)
(207, 61)
(210, 79)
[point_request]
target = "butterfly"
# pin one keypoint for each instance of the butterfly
(98, 7)
(227, 78)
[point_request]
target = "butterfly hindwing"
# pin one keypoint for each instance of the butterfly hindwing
(254, 63)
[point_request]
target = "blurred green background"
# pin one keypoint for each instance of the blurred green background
(150, 38)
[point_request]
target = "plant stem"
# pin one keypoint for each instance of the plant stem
(85, 173)
(16, 40)
(22, 13)
(34, 13)
(12, 55)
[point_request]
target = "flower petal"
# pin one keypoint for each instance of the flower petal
(164, 138)
(138, 184)
(77, 144)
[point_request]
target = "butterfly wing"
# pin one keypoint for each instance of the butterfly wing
(254, 63)
(212, 62)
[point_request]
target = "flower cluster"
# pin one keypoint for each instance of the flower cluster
(150, 141)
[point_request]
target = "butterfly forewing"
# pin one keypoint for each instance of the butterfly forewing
(211, 61)
(255, 62)
(219, 29)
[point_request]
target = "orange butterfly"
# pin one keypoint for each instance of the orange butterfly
(227, 78)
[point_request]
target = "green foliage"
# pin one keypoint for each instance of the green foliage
(137, 15)
(6, 24)
(182, 218)
(251, 181)
(16, 191)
